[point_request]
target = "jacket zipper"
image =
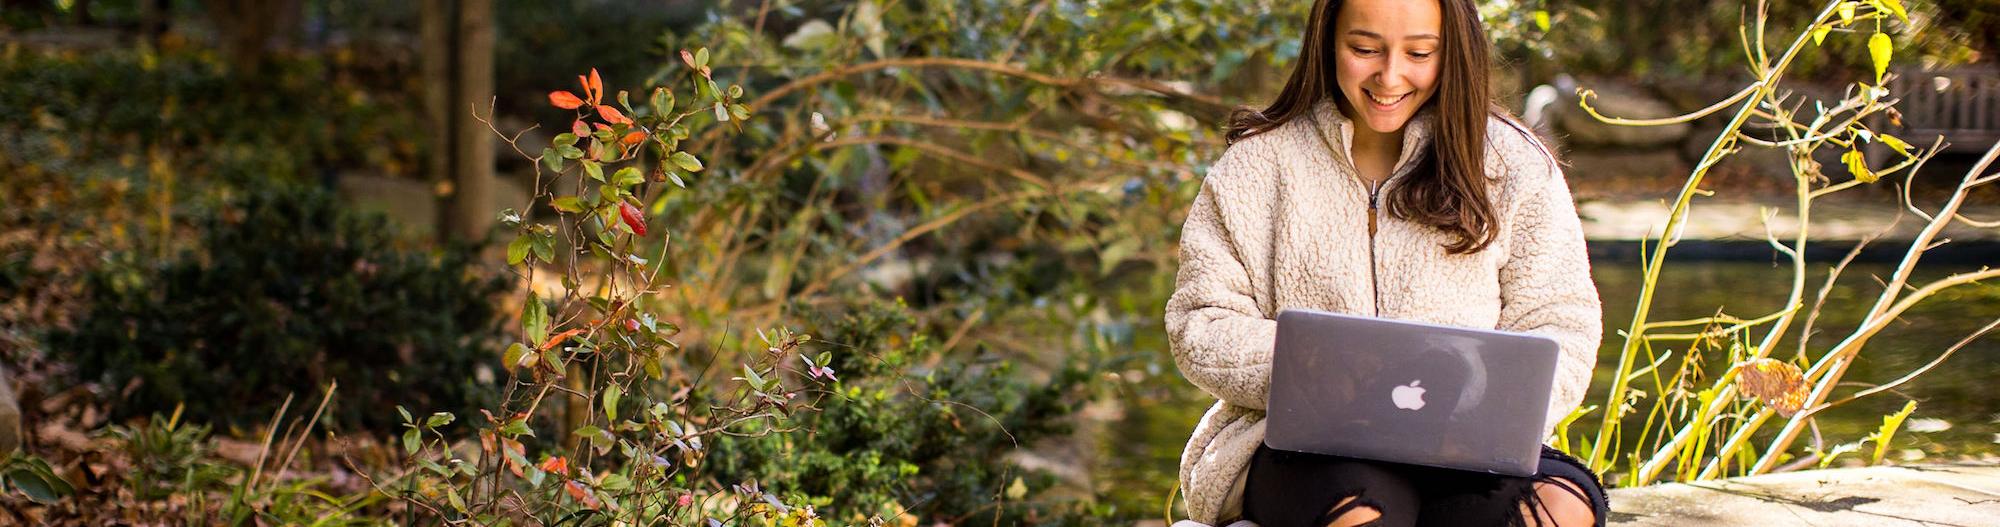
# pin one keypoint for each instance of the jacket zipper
(1374, 283)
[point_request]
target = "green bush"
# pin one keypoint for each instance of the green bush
(283, 292)
(897, 433)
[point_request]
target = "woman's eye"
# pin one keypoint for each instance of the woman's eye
(1365, 52)
(1421, 56)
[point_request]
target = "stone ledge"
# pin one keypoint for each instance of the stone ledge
(1965, 494)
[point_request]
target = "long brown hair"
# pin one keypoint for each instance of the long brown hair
(1447, 189)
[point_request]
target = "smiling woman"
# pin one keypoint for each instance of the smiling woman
(1388, 99)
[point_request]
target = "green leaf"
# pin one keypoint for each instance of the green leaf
(535, 320)
(517, 427)
(411, 440)
(686, 161)
(627, 176)
(565, 139)
(517, 250)
(1887, 432)
(552, 160)
(611, 396)
(457, 503)
(515, 352)
(594, 170)
(544, 247)
(406, 414)
(439, 419)
(735, 91)
(40, 486)
(568, 204)
(569, 152)
(750, 375)
(676, 178)
(739, 111)
(701, 58)
(663, 101)
(1879, 49)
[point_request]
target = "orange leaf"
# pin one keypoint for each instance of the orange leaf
(611, 114)
(559, 337)
(596, 87)
(565, 100)
(557, 465)
(1777, 383)
(581, 493)
(601, 126)
(584, 82)
(633, 138)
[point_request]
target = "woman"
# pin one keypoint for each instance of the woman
(1382, 181)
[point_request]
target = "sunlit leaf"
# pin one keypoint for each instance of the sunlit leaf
(1857, 164)
(1879, 50)
(565, 100)
(1896, 7)
(1778, 383)
(1887, 432)
(686, 161)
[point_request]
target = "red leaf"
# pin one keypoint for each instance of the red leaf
(688, 58)
(579, 128)
(557, 465)
(564, 99)
(581, 493)
(632, 218)
(559, 337)
(611, 114)
(596, 87)
(633, 138)
(632, 325)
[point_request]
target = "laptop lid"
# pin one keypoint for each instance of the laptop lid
(1409, 392)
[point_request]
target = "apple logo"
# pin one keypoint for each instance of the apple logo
(1408, 397)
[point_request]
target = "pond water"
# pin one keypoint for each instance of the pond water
(1138, 454)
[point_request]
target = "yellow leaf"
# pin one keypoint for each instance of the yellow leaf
(1896, 144)
(1846, 13)
(1819, 35)
(1896, 6)
(1858, 165)
(1879, 49)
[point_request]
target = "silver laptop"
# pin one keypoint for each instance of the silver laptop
(1410, 392)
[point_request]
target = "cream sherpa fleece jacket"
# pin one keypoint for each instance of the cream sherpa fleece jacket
(1281, 221)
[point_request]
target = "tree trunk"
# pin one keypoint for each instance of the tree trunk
(458, 69)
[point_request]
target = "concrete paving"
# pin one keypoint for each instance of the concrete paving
(1745, 221)
(1935, 494)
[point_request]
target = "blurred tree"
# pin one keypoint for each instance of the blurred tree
(458, 87)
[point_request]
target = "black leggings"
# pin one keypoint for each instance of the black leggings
(1294, 489)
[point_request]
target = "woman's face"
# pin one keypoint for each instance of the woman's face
(1387, 59)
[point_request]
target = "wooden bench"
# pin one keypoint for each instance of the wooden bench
(1962, 104)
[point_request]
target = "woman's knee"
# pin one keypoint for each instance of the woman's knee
(1560, 502)
(1352, 512)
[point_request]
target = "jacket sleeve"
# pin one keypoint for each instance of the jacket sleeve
(1220, 337)
(1545, 285)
